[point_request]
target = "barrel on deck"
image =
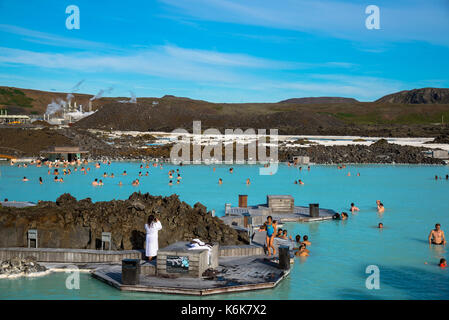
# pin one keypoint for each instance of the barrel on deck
(314, 210)
(243, 200)
(130, 271)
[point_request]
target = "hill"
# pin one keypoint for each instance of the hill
(418, 96)
(319, 100)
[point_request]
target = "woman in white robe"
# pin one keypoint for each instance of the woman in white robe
(152, 228)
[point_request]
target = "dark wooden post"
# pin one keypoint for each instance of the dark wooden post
(284, 257)
(243, 200)
(314, 210)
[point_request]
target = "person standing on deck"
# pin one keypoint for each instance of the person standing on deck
(152, 228)
(270, 227)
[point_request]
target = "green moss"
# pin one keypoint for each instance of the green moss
(15, 97)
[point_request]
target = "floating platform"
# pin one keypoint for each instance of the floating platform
(234, 274)
(236, 216)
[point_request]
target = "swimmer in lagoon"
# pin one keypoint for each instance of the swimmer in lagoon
(344, 216)
(248, 182)
(220, 181)
(380, 207)
(436, 236)
(170, 183)
(95, 183)
(380, 225)
(25, 179)
(120, 184)
(303, 251)
(354, 208)
(300, 182)
(40, 180)
(443, 263)
(305, 240)
(124, 173)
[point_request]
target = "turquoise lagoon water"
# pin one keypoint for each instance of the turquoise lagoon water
(340, 251)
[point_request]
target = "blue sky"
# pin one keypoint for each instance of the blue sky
(226, 50)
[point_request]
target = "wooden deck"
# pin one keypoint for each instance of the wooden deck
(235, 274)
(70, 255)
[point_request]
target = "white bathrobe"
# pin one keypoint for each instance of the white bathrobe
(152, 238)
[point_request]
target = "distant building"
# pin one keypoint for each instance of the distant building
(64, 153)
(6, 118)
(301, 160)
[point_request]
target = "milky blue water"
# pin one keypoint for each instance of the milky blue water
(340, 250)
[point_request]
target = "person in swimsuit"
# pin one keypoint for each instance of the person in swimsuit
(443, 263)
(270, 227)
(344, 216)
(380, 225)
(436, 236)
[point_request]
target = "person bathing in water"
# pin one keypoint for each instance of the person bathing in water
(354, 208)
(380, 206)
(436, 236)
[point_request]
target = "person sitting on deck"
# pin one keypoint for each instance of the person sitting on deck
(279, 233)
(305, 240)
(443, 263)
(354, 208)
(436, 236)
(284, 235)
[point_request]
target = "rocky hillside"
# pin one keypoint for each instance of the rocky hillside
(319, 100)
(418, 96)
(68, 223)
(378, 152)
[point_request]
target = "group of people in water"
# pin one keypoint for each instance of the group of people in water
(61, 168)
(272, 232)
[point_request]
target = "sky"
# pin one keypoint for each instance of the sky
(225, 50)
